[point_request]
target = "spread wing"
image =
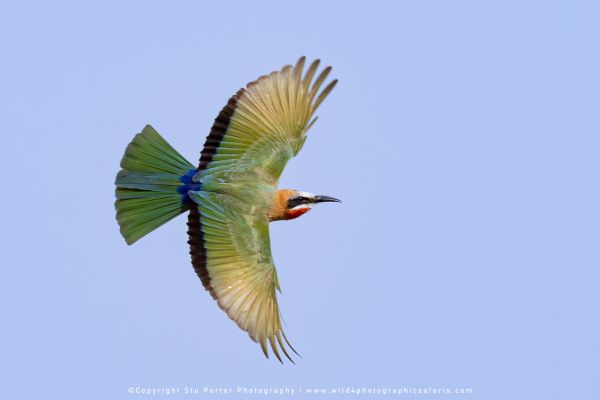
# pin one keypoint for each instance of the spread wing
(240, 268)
(264, 125)
(251, 141)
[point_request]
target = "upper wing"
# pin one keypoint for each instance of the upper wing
(238, 263)
(264, 125)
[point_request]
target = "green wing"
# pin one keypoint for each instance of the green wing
(251, 141)
(267, 127)
(240, 266)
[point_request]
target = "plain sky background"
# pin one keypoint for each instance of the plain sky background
(463, 138)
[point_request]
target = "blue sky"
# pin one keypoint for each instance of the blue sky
(463, 138)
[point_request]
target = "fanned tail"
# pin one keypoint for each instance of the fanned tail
(151, 186)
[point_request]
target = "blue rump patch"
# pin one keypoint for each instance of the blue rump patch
(188, 185)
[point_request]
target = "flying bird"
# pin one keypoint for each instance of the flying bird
(232, 195)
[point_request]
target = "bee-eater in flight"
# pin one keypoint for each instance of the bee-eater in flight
(232, 195)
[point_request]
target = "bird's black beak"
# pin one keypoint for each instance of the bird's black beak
(323, 199)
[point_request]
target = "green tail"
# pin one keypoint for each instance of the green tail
(148, 183)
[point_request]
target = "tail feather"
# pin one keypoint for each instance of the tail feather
(148, 185)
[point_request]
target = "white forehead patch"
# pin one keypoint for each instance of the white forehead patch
(305, 194)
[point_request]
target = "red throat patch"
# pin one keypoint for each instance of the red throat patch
(291, 214)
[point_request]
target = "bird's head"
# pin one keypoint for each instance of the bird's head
(290, 204)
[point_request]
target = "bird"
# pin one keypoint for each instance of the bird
(232, 195)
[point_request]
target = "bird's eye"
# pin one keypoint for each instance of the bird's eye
(296, 201)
